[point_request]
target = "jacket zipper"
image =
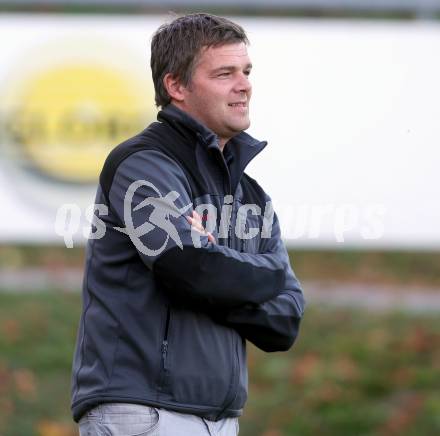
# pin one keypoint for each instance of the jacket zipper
(230, 238)
(232, 394)
(164, 349)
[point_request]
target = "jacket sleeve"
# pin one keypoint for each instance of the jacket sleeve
(274, 324)
(150, 197)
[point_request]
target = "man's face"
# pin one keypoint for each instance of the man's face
(219, 91)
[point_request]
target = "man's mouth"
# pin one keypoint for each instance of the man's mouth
(238, 104)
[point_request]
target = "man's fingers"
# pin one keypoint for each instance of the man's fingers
(197, 225)
(197, 220)
(197, 216)
(194, 223)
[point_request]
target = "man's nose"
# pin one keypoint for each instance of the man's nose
(243, 83)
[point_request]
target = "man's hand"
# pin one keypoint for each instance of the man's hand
(196, 223)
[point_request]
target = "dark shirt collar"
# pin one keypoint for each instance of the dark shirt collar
(179, 118)
(186, 123)
(228, 153)
(238, 151)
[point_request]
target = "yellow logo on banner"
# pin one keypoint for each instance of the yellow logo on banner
(67, 118)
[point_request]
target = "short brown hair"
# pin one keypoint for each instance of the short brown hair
(176, 46)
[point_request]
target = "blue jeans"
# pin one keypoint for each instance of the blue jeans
(124, 419)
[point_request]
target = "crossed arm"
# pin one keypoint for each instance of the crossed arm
(256, 294)
(274, 324)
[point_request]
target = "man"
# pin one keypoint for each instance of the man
(192, 263)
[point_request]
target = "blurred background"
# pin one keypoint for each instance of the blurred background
(347, 94)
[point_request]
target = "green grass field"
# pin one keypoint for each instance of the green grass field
(350, 373)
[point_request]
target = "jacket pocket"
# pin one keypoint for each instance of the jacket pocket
(200, 360)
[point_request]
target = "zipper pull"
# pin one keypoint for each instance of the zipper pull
(242, 245)
(164, 353)
(164, 348)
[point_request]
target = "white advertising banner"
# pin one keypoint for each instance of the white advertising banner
(350, 110)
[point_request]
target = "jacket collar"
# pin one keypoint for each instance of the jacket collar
(241, 149)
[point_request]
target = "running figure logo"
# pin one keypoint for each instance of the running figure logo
(163, 209)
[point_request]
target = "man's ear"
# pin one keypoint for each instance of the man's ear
(174, 87)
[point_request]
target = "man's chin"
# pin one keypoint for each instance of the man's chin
(240, 127)
(246, 126)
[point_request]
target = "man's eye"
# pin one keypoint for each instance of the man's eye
(247, 72)
(226, 74)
